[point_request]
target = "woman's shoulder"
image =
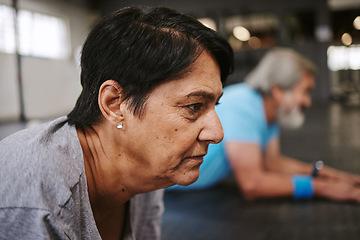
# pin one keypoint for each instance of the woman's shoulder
(40, 165)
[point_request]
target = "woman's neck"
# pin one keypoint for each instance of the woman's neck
(105, 184)
(107, 193)
(111, 222)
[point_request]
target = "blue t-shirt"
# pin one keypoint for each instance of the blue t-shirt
(241, 112)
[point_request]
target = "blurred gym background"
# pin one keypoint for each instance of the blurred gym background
(40, 44)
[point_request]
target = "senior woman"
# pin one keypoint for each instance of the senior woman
(143, 122)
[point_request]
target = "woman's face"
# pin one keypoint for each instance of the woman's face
(168, 143)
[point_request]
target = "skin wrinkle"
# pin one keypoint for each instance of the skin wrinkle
(175, 168)
(102, 147)
(89, 164)
(95, 155)
(90, 140)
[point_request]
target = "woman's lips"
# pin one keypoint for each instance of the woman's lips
(197, 158)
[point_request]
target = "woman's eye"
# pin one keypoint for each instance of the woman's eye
(195, 107)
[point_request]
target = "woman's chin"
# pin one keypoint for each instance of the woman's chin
(188, 178)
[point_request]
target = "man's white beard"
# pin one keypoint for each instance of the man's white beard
(290, 118)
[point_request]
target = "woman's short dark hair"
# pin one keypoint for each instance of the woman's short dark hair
(141, 49)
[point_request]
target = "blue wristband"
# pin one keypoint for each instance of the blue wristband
(303, 187)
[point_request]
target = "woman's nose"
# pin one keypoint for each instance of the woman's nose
(212, 130)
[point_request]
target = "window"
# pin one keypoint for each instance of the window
(7, 34)
(40, 35)
(341, 57)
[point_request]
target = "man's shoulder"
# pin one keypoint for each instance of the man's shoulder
(240, 99)
(241, 90)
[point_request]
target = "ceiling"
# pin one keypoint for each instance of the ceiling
(334, 5)
(341, 12)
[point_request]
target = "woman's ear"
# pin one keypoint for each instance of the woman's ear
(110, 100)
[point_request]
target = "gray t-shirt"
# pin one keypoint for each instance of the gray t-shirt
(43, 189)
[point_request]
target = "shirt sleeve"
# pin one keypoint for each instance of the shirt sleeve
(274, 131)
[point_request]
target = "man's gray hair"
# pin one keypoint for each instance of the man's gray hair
(280, 67)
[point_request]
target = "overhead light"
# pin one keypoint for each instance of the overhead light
(346, 39)
(208, 22)
(356, 23)
(241, 33)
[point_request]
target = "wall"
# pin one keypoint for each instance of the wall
(9, 94)
(50, 87)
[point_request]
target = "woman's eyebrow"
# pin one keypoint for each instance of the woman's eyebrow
(204, 94)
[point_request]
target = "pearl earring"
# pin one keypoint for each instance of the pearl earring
(119, 125)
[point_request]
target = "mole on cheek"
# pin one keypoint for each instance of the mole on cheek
(176, 129)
